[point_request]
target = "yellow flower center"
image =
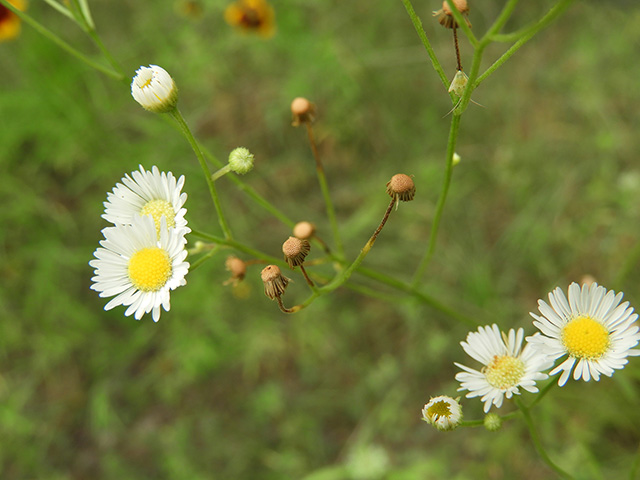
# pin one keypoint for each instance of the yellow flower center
(157, 208)
(439, 409)
(584, 337)
(504, 372)
(149, 269)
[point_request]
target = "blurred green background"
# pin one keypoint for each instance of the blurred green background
(223, 387)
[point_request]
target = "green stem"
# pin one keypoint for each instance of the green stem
(221, 172)
(504, 16)
(107, 55)
(58, 41)
(536, 440)
(552, 383)
(431, 246)
(239, 246)
(633, 471)
(205, 169)
(322, 179)
(462, 24)
(417, 24)
(203, 259)
(527, 34)
(60, 8)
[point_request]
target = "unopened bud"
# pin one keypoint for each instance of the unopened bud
(492, 422)
(241, 160)
(237, 268)
(304, 230)
(443, 412)
(302, 110)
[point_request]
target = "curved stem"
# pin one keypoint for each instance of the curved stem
(61, 43)
(504, 16)
(110, 58)
(431, 246)
(543, 392)
(536, 440)
(205, 169)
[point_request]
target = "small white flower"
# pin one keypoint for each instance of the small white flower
(138, 267)
(145, 192)
(154, 89)
(593, 328)
(507, 367)
(241, 160)
(444, 413)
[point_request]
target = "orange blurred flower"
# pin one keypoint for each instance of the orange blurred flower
(9, 21)
(255, 16)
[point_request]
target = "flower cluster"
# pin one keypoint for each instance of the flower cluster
(591, 328)
(142, 256)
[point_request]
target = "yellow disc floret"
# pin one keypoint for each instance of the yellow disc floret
(439, 409)
(158, 208)
(584, 337)
(149, 269)
(504, 371)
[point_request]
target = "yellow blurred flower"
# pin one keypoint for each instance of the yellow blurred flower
(9, 21)
(255, 16)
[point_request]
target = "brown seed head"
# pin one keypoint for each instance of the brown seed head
(401, 187)
(295, 250)
(445, 15)
(302, 110)
(238, 269)
(304, 230)
(274, 282)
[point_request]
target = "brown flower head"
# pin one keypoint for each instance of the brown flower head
(445, 15)
(304, 230)
(238, 270)
(303, 111)
(401, 188)
(295, 250)
(274, 282)
(252, 16)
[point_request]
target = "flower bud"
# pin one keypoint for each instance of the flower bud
(304, 230)
(444, 413)
(237, 268)
(154, 89)
(274, 282)
(492, 422)
(241, 160)
(295, 250)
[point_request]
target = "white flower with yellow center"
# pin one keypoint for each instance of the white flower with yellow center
(444, 413)
(154, 89)
(138, 267)
(152, 193)
(507, 366)
(593, 328)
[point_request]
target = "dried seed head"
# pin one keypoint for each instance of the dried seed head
(295, 249)
(238, 270)
(274, 282)
(445, 15)
(302, 110)
(401, 188)
(304, 230)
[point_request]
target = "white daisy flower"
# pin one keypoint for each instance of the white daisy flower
(138, 267)
(154, 89)
(593, 328)
(507, 366)
(145, 192)
(444, 413)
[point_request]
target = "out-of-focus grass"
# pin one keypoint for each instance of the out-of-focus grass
(230, 388)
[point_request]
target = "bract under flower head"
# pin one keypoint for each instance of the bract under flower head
(138, 267)
(507, 366)
(154, 89)
(593, 328)
(144, 192)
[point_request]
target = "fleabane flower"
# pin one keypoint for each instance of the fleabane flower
(138, 267)
(154, 89)
(507, 366)
(593, 328)
(154, 193)
(444, 413)
(255, 16)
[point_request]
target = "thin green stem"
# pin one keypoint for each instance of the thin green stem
(203, 258)
(431, 246)
(504, 16)
(60, 8)
(553, 13)
(417, 24)
(205, 169)
(462, 24)
(535, 438)
(58, 41)
(107, 55)
(552, 383)
(221, 172)
(322, 179)
(228, 242)
(633, 470)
